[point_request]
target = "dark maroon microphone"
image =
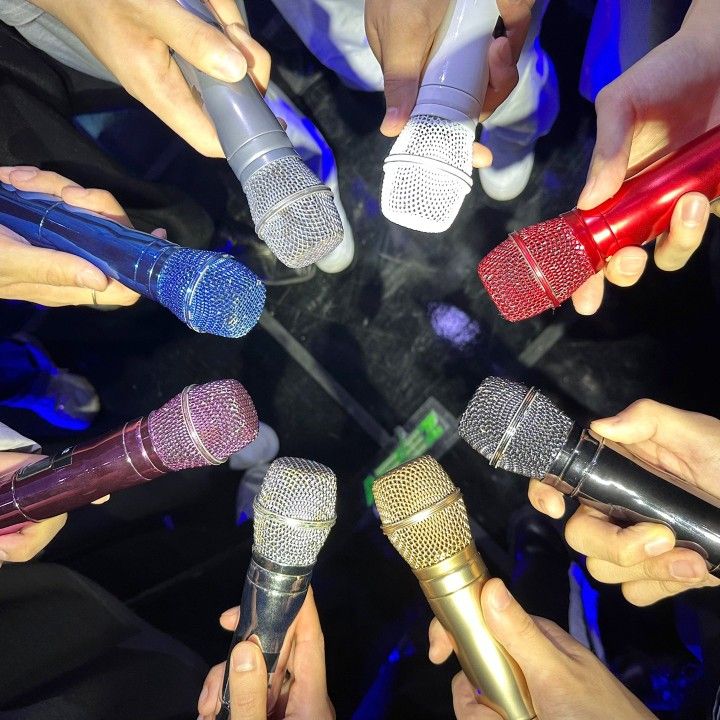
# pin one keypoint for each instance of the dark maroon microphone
(539, 267)
(201, 426)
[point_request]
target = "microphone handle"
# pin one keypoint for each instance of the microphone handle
(604, 475)
(456, 76)
(272, 597)
(79, 475)
(129, 256)
(642, 208)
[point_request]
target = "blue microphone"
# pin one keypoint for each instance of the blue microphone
(211, 292)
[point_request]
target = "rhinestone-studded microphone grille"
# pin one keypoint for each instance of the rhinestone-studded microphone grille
(294, 489)
(299, 230)
(415, 486)
(513, 285)
(220, 415)
(211, 292)
(540, 431)
(425, 189)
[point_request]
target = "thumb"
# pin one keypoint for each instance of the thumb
(248, 683)
(611, 155)
(639, 422)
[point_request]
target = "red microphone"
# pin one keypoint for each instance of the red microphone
(541, 266)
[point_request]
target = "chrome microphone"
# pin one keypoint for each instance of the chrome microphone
(293, 514)
(428, 172)
(293, 210)
(424, 517)
(519, 429)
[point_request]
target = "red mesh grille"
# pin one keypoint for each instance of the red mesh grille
(515, 288)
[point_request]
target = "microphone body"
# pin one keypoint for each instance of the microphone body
(79, 475)
(604, 475)
(539, 267)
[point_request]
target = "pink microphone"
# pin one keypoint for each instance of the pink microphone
(203, 425)
(541, 266)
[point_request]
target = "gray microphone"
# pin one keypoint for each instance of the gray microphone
(519, 429)
(294, 511)
(293, 210)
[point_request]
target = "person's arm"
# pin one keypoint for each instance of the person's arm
(666, 99)
(566, 681)
(643, 558)
(135, 39)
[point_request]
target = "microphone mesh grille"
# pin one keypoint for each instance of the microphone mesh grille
(540, 432)
(227, 299)
(306, 229)
(513, 285)
(222, 414)
(421, 195)
(410, 488)
(301, 490)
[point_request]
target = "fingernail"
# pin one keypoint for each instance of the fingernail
(23, 175)
(658, 546)
(684, 570)
(631, 265)
(244, 658)
(232, 65)
(693, 212)
(89, 279)
(500, 599)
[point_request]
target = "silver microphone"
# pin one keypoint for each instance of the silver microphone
(294, 512)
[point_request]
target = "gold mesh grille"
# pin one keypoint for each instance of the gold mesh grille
(410, 488)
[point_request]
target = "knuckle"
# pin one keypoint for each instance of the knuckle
(247, 704)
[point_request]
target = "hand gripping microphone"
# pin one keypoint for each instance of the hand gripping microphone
(209, 291)
(294, 511)
(424, 517)
(539, 267)
(203, 425)
(428, 172)
(518, 429)
(293, 211)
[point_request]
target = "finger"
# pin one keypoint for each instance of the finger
(25, 544)
(230, 618)
(99, 201)
(441, 646)
(502, 75)
(516, 18)
(101, 501)
(588, 297)
(160, 233)
(201, 44)
(116, 294)
(591, 533)
(643, 593)
(546, 499)
(227, 11)
(482, 156)
(626, 266)
(611, 155)
(256, 56)
(27, 177)
(687, 227)
(248, 683)
(465, 702)
(209, 700)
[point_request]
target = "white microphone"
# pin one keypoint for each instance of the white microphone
(428, 172)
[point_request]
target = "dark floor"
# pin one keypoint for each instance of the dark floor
(172, 551)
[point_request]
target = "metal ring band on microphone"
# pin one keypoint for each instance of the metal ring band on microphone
(511, 429)
(289, 200)
(535, 270)
(197, 442)
(430, 162)
(258, 509)
(453, 497)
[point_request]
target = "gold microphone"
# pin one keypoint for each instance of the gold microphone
(424, 517)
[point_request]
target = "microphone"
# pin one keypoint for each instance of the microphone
(209, 291)
(203, 425)
(424, 517)
(428, 172)
(539, 267)
(293, 513)
(293, 210)
(518, 429)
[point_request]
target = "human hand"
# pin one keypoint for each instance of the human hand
(643, 557)
(134, 39)
(304, 692)
(642, 116)
(401, 34)
(51, 277)
(566, 681)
